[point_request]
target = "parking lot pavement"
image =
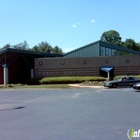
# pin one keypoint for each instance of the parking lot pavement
(69, 114)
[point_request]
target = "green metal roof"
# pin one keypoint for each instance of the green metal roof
(104, 44)
(82, 47)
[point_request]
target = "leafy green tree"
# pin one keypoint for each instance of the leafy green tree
(57, 50)
(44, 47)
(41, 47)
(112, 37)
(35, 48)
(21, 46)
(131, 44)
(138, 45)
(6, 46)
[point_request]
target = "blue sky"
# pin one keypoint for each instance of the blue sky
(67, 23)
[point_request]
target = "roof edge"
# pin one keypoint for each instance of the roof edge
(82, 47)
(121, 48)
(2, 51)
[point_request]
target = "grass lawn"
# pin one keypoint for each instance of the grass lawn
(36, 86)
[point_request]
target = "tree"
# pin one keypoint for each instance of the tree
(138, 45)
(41, 47)
(6, 46)
(44, 47)
(57, 50)
(21, 46)
(112, 37)
(131, 44)
(35, 48)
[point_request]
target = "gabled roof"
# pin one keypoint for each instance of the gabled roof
(82, 47)
(104, 44)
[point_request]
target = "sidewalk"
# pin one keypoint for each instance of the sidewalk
(81, 86)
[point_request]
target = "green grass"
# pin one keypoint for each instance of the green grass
(35, 86)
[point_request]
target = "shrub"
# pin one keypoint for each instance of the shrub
(70, 79)
(119, 76)
(138, 76)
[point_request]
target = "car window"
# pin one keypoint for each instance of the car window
(119, 79)
(131, 78)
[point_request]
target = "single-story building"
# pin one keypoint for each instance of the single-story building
(97, 59)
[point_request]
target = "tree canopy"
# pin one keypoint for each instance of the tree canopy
(21, 46)
(46, 47)
(131, 44)
(112, 37)
(41, 47)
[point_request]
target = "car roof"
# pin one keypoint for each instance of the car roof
(128, 76)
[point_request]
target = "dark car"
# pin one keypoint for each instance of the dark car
(123, 81)
(136, 86)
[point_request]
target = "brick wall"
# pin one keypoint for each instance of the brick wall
(85, 66)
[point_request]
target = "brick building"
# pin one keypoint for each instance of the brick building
(97, 59)
(87, 66)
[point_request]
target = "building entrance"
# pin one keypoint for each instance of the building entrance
(107, 72)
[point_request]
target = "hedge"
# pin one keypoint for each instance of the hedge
(119, 76)
(70, 79)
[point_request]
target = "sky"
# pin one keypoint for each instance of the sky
(69, 24)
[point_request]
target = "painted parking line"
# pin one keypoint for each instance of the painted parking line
(128, 89)
(120, 89)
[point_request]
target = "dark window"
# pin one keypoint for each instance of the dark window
(131, 78)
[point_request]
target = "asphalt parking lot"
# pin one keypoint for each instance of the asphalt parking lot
(68, 114)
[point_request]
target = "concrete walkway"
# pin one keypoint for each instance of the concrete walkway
(81, 86)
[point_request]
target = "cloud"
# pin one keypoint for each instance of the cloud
(92, 20)
(74, 25)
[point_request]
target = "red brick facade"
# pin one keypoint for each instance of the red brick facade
(46, 67)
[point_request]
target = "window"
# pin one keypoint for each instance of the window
(109, 52)
(101, 51)
(130, 78)
(104, 51)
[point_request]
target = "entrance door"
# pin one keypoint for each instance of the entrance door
(107, 72)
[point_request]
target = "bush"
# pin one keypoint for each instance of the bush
(69, 79)
(138, 76)
(119, 76)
